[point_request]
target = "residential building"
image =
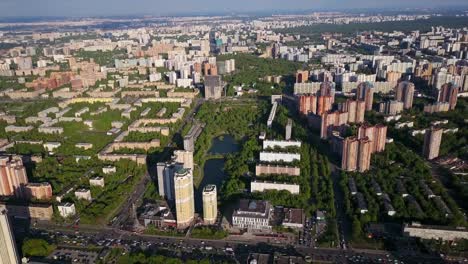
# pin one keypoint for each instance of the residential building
(213, 87)
(432, 141)
(210, 204)
(448, 94)
(66, 209)
(184, 198)
(365, 92)
(39, 191)
(404, 92)
(8, 252)
(13, 178)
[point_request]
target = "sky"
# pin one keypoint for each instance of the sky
(58, 8)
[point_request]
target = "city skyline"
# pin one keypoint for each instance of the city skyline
(56, 8)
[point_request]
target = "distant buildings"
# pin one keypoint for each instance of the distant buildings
(210, 204)
(8, 252)
(432, 141)
(184, 198)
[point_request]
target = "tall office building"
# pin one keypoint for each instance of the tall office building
(213, 87)
(404, 92)
(307, 104)
(432, 141)
(8, 253)
(184, 200)
(210, 204)
(365, 92)
(13, 178)
(448, 94)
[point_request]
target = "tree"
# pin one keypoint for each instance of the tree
(357, 229)
(37, 248)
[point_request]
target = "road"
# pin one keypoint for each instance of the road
(344, 225)
(111, 237)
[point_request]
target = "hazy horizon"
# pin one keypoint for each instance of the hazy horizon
(63, 8)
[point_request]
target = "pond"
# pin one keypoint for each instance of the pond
(213, 171)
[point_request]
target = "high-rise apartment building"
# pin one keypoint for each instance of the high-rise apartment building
(302, 76)
(213, 87)
(210, 204)
(324, 104)
(448, 94)
(404, 92)
(307, 104)
(327, 88)
(330, 121)
(356, 110)
(432, 141)
(376, 134)
(13, 178)
(391, 107)
(185, 157)
(365, 92)
(184, 199)
(356, 154)
(349, 154)
(364, 155)
(8, 252)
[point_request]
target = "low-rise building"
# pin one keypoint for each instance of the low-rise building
(66, 209)
(252, 215)
(96, 181)
(84, 194)
(109, 169)
(261, 186)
